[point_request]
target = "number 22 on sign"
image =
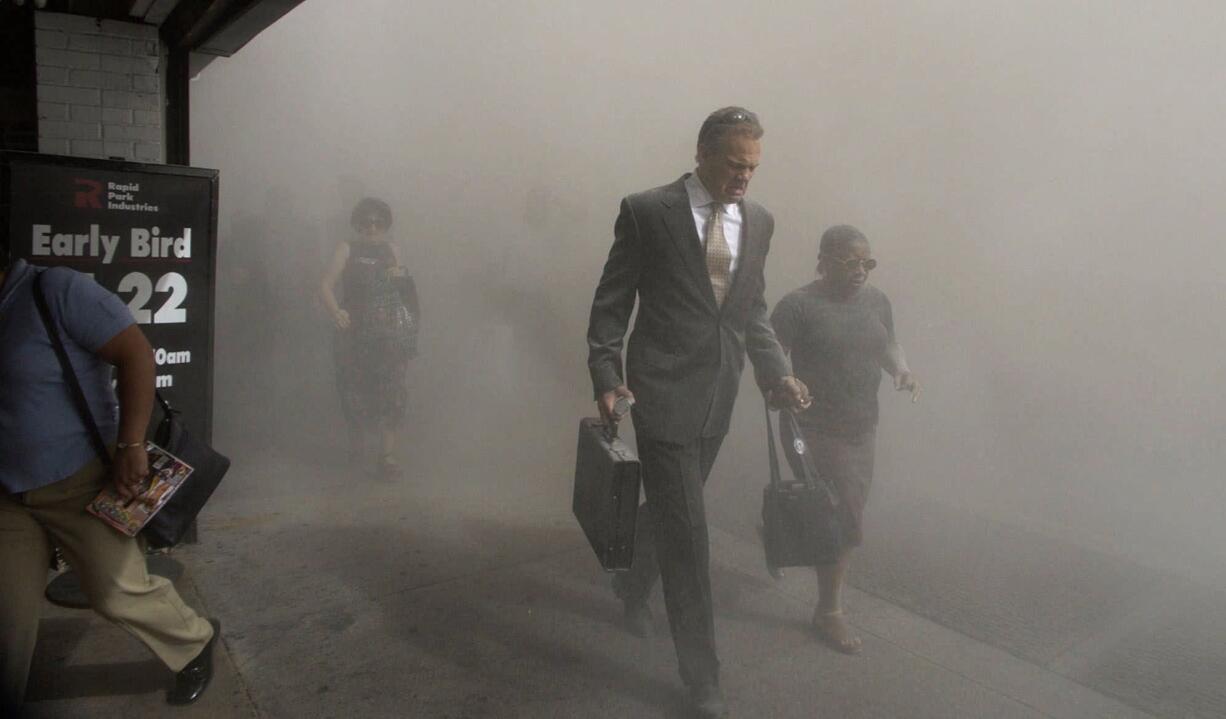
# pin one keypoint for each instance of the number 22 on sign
(171, 312)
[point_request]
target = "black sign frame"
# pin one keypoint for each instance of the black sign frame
(198, 418)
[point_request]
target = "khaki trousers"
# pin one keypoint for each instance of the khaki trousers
(111, 568)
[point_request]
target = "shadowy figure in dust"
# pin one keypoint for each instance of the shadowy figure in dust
(376, 320)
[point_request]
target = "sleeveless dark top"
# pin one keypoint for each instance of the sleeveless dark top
(365, 271)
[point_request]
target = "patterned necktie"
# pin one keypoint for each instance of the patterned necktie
(719, 257)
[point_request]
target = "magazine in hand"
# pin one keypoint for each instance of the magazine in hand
(166, 474)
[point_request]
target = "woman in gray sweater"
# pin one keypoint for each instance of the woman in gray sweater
(839, 332)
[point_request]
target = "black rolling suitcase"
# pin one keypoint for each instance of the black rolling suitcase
(606, 498)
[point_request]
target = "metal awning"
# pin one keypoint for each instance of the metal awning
(211, 27)
(194, 32)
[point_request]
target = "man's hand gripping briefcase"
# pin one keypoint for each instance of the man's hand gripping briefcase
(606, 497)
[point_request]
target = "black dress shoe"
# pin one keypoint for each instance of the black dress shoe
(708, 701)
(194, 678)
(638, 619)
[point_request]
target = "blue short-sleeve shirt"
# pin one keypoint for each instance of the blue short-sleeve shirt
(42, 436)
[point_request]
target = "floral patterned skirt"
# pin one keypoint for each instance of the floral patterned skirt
(371, 381)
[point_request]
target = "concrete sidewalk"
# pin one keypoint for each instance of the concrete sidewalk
(348, 596)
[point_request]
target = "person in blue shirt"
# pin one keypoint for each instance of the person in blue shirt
(50, 472)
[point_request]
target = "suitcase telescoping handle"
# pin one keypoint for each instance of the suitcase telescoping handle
(811, 476)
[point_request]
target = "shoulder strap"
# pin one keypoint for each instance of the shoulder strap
(770, 444)
(70, 375)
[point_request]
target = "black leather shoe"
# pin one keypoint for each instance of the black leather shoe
(194, 678)
(708, 701)
(638, 619)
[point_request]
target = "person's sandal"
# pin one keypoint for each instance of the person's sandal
(832, 628)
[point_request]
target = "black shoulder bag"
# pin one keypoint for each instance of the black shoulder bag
(802, 525)
(167, 527)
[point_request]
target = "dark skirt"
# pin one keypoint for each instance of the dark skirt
(844, 461)
(371, 381)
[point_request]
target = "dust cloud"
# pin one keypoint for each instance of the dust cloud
(1041, 183)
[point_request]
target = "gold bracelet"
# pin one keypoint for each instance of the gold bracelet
(129, 445)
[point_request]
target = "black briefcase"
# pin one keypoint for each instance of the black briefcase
(606, 499)
(802, 526)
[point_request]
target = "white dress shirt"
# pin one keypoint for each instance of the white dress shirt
(702, 205)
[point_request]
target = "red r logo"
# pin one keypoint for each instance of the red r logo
(89, 198)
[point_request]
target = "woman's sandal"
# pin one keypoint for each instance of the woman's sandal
(833, 629)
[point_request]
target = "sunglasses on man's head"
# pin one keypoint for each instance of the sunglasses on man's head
(736, 117)
(851, 263)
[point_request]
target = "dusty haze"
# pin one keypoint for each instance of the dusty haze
(1042, 186)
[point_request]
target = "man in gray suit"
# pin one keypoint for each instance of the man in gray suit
(692, 253)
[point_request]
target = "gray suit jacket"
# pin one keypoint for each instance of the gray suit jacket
(686, 354)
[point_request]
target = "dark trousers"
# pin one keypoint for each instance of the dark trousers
(671, 542)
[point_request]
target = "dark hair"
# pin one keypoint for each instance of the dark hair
(727, 121)
(838, 239)
(368, 206)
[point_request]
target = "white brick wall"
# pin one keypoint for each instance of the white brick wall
(100, 88)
